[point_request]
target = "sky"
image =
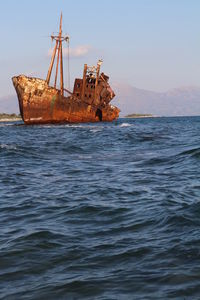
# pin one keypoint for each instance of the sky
(149, 44)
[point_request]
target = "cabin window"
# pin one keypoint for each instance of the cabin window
(78, 85)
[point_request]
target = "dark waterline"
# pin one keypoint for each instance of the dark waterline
(100, 211)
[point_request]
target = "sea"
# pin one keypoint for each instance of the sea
(100, 210)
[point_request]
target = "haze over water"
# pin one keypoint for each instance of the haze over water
(100, 211)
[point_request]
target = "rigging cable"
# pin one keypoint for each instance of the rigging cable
(68, 66)
(67, 59)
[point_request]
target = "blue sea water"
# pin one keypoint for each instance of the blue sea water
(100, 211)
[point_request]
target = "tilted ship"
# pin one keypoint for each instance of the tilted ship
(41, 103)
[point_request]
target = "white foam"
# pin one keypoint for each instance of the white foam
(125, 125)
(95, 130)
(9, 147)
(6, 124)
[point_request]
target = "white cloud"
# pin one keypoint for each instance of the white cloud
(79, 51)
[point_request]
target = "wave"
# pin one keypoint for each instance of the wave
(96, 130)
(100, 210)
(6, 124)
(8, 147)
(125, 125)
(194, 152)
(72, 149)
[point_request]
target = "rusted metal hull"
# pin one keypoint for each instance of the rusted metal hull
(41, 104)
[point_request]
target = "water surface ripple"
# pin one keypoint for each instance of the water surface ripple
(100, 211)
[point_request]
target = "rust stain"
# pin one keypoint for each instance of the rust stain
(53, 103)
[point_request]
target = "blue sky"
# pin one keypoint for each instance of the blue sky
(149, 44)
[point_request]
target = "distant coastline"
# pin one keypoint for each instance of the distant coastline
(139, 116)
(9, 117)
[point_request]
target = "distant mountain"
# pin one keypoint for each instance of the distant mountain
(9, 105)
(176, 102)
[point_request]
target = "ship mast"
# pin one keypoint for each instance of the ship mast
(57, 50)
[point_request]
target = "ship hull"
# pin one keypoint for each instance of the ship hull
(42, 104)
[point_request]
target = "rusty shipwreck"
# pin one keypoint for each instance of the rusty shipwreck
(41, 103)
